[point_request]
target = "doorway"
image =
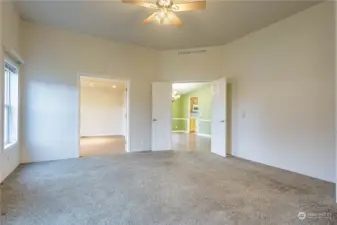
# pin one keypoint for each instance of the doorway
(191, 107)
(167, 120)
(193, 110)
(103, 109)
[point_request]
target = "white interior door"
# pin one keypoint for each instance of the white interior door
(218, 145)
(161, 116)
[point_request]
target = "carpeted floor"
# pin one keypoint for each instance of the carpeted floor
(162, 188)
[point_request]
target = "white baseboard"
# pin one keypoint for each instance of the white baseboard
(103, 135)
(204, 135)
(179, 131)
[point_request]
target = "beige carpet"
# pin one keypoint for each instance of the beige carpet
(162, 188)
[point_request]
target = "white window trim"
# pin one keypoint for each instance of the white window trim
(13, 64)
(8, 146)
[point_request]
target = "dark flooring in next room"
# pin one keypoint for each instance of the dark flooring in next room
(161, 188)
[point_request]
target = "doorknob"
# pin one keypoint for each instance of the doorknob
(154, 120)
(222, 121)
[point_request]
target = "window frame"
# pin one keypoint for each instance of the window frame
(7, 132)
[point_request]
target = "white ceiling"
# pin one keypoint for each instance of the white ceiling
(221, 22)
(183, 88)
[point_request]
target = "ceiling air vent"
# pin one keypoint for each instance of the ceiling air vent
(192, 52)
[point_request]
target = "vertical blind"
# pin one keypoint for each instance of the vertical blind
(10, 68)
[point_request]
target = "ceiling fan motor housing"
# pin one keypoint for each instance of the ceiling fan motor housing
(164, 3)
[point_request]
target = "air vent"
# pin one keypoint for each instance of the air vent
(192, 52)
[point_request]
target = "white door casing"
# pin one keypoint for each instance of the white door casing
(126, 118)
(161, 116)
(218, 144)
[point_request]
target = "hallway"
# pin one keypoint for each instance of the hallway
(94, 146)
(190, 142)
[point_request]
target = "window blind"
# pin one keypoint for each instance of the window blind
(10, 68)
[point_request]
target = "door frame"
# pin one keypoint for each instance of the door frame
(229, 118)
(197, 81)
(189, 110)
(127, 124)
(228, 81)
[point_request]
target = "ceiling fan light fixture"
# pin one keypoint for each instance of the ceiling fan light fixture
(161, 15)
(167, 10)
(170, 15)
(164, 3)
(164, 17)
(166, 21)
(175, 97)
(175, 7)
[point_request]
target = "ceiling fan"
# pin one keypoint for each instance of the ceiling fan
(166, 10)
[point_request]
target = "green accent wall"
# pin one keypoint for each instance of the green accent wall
(178, 112)
(180, 108)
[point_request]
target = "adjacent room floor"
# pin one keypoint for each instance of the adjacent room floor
(190, 142)
(94, 146)
(162, 188)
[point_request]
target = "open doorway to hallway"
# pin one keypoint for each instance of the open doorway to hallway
(103, 116)
(191, 116)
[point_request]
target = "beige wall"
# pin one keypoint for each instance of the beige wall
(54, 57)
(11, 27)
(191, 67)
(9, 37)
(285, 85)
(102, 111)
(282, 81)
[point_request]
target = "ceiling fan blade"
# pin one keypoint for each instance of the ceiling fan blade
(140, 3)
(150, 18)
(199, 5)
(175, 20)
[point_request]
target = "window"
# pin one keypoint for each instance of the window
(11, 104)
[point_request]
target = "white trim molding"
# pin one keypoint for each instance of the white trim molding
(187, 125)
(198, 124)
(179, 118)
(180, 131)
(204, 135)
(202, 120)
